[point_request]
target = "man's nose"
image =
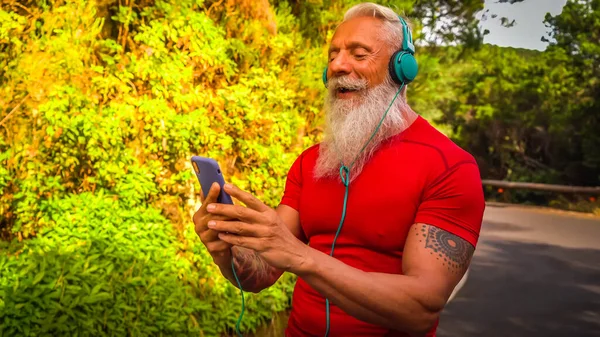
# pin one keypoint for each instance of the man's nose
(340, 65)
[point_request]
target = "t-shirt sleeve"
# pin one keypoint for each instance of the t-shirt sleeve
(454, 202)
(293, 185)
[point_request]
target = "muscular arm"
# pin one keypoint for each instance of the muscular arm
(253, 272)
(434, 261)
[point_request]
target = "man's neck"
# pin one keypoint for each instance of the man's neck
(411, 116)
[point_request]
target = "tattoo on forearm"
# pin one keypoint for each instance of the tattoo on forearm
(454, 252)
(251, 269)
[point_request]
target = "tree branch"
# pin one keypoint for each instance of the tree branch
(14, 109)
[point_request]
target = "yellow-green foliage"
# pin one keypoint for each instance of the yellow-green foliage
(105, 104)
(125, 113)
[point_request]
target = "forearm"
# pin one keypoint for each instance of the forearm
(394, 301)
(253, 273)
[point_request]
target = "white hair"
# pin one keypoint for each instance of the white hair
(391, 22)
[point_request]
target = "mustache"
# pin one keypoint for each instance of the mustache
(346, 82)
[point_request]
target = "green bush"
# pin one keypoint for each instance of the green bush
(106, 269)
(109, 102)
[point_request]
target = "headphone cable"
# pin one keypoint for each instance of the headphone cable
(239, 321)
(345, 176)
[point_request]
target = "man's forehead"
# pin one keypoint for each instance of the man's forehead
(359, 28)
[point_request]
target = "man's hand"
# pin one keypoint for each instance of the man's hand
(218, 249)
(259, 228)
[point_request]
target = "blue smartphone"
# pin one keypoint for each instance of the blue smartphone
(208, 171)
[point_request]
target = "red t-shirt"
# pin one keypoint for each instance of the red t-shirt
(417, 176)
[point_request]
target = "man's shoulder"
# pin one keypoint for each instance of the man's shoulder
(312, 150)
(432, 142)
(306, 158)
(308, 153)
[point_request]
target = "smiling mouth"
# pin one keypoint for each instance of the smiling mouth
(346, 90)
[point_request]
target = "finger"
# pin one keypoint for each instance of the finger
(239, 212)
(213, 194)
(218, 248)
(208, 235)
(200, 220)
(241, 241)
(237, 227)
(219, 217)
(200, 225)
(197, 218)
(247, 198)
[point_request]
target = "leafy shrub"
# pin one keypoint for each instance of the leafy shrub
(126, 112)
(108, 104)
(108, 269)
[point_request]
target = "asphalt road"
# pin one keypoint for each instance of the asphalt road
(535, 273)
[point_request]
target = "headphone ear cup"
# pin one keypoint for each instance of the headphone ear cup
(392, 67)
(403, 67)
(325, 77)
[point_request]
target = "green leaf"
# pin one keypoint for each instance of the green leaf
(96, 289)
(38, 277)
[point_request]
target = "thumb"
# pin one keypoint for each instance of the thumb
(213, 194)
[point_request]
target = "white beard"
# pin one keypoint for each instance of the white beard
(351, 122)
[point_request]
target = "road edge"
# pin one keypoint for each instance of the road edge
(544, 209)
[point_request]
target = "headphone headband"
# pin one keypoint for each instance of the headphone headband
(407, 41)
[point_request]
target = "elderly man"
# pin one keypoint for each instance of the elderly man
(379, 221)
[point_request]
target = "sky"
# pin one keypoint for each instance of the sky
(529, 27)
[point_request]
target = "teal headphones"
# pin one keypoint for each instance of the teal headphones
(403, 66)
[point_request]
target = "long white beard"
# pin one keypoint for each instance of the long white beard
(351, 122)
